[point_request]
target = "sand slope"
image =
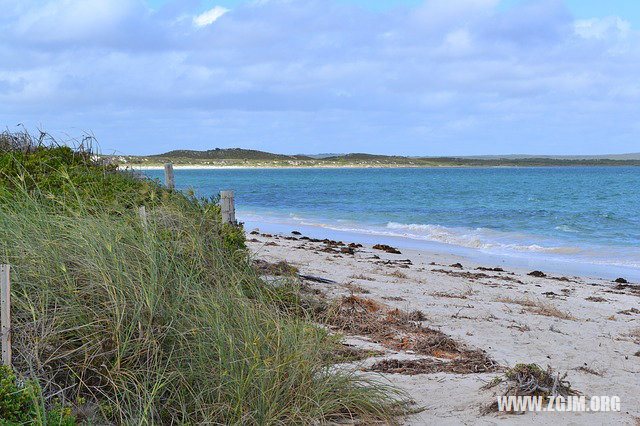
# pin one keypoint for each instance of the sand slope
(589, 328)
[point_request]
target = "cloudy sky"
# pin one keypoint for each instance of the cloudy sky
(415, 77)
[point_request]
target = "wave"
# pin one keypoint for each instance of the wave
(484, 239)
(479, 238)
(566, 228)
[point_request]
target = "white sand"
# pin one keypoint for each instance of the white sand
(482, 317)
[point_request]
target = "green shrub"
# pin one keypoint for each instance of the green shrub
(20, 403)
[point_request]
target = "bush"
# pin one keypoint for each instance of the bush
(19, 403)
(167, 323)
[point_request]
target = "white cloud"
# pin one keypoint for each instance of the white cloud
(322, 74)
(74, 20)
(209, 17)
(458, 42)
(602, 28)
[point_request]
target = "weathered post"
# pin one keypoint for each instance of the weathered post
(5, 314)
(227, 207)
(169, 181)
(142, 210)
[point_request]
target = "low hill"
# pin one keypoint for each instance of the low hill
(229, 154)
(250, 157)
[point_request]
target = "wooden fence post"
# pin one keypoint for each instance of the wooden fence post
(169, 180)
(5, 313)
(142, 210)
(227, 207)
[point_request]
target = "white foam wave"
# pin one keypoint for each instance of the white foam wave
(566, 228)
(479, 238)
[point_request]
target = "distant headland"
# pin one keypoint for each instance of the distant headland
(238, 157)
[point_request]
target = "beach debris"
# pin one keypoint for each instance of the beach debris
(398, 274)
(530, 380)
(463, 295)
(402, 331)
(317, 279)
(520, 327)
(621, 281)
(634, 289)
(565, 279)
(361, 277)
(456, 265)
(439, 345)
(588, 370)
(254, 233)
(630, 311)
(538, 274)
(415, 316)
(387, 248)
(482, 268)
(596, 299)
(472, 276)
(394, 298)
(401, 263)
(473, 362)
(356, 315)
(635, 335)
(356, 288)
(538, 307)
(281, 268)
(346, 353)
(296, 233)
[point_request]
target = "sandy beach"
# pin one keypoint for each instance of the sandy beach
(586, 327)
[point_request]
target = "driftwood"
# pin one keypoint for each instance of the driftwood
(317, 279)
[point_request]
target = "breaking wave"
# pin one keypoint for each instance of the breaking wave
(479, 238)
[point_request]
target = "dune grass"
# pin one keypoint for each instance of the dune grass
(161, 324)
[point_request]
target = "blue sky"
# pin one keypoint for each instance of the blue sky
(414, 77)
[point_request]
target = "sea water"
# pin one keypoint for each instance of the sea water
(579, 220)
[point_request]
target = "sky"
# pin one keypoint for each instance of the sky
(405, 77)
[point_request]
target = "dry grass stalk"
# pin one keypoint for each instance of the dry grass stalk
(530, 380)
(401, 330)
(538, 307)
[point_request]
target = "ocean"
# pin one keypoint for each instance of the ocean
(572, 220)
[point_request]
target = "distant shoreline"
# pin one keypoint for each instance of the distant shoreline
(360, 166)
(354, 166)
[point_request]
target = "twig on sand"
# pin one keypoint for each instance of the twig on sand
(316, 279)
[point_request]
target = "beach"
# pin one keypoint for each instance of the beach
(586, 327)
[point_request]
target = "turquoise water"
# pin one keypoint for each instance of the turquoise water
(581, 217)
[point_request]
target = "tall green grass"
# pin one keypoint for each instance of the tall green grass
(162, 324)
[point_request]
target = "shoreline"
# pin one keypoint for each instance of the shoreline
(315, 167)
(515, 260)
(356, 166)
(586, 327)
